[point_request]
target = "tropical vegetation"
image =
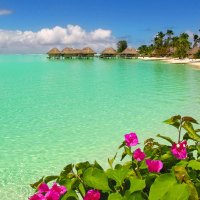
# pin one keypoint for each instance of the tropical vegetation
(159, 171)
(167, 44)
(121, 45)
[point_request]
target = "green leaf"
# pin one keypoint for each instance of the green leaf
(50, 178)
(177, 192)
(128, 150)
(163, 186)
(82, 165)
(136, 184)
(124, 154)
(181, 173)
(166, 138)
(134, 196)
(75, 183)
(182, 163)
(191, 132)
(66, 170)
(192, 190)
(189, 119)
(110, 161)
(174, 121)
(96, 178)
(118, 175)
(194, 164)
(70, 195)
(36, 184)
(122, 145)
(97, 165)
(115, 196)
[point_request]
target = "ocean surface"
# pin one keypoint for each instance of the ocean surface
(55, 112)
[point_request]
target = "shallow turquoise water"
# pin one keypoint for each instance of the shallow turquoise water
(56, 112)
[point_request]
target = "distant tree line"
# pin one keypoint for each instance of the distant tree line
(166, 44)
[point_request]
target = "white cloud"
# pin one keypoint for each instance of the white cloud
(46, 38)
(5, 12)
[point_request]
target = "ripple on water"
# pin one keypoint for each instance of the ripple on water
(54, 113)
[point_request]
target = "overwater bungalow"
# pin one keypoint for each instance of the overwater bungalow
(193, 51)
(87, 52)
(67, 53)
(129, 53)
(54, 53)
(108, 53)
(76, 53)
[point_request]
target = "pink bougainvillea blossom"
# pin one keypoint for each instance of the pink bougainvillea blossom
(37, 196)
(43, 188)
(52, 195)
(60, 189)
(154, 165)
(179, 150)
(92, 195)
(131, 139)
(139, 155)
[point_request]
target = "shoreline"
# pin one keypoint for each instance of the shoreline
(193, 62)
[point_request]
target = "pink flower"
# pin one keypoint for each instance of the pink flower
(92, 195)
(179, 150)
(139, 155)
(154, 165)
(43, 188)
(131, 139)
(52, 195)
(37, 197)
(59, 189)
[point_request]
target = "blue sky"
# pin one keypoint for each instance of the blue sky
(136, 21)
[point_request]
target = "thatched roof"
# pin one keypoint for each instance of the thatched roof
(67, 51)
(193, 50)
(129, 51)
(109, 51)
(76, 51)
(87, 50)
(54, 51)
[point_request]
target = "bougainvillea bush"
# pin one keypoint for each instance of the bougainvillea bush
(169, 171)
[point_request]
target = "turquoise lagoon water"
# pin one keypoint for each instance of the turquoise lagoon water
(57, 112)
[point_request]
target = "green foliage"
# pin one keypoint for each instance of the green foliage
(166, 44)
(197, 55)
(182, 45)
(163, 188)
(179, 179)
(96, 178)
(146, 50)
(121, 46)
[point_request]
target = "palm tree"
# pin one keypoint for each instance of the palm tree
(182, 45)
(159, 44)
(196, 40)
(169, 33)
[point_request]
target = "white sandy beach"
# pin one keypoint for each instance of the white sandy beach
(193, 62)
